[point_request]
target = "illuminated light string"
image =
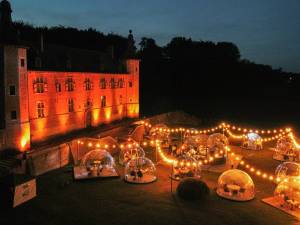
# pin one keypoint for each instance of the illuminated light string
(243, 163)
(224, 126)
(295, 143)
(265, 139)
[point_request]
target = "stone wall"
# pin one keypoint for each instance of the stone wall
(40, 162)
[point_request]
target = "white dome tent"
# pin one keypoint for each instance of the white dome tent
(252, 141)
(286, 170)
(130, 152)
(285, 150)
(236, 185)
(185, 167)
(97, 163)
(140, 170)
(217, 144)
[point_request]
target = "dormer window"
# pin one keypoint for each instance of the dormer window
(70, 84)
(112, 83)
(40, 85)
(103, 83)
(88, 84)
(57, 86)
(121, 83)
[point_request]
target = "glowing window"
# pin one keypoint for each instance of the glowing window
(121, 100)
(130, 84)
(70, 84)
(121, 83)
(112, 83)
(103, 83)
(103, 101)
(40, 85)
(40, 110)
(58, 86)
(71, 105)
(88, 84)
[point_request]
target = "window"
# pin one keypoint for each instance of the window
(88, 103)
(13, 115)
(103, 83)
(121, 83)
(121, 100)
(103, 101)
(88, 84)
(22, 62)
(40, 85)
(57, 86)
(12, 90)
(71, 105)
(70, 84)
(112, 83)
(40, 110)
(130, 84)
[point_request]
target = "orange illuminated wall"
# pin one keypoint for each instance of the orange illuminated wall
(121, 102)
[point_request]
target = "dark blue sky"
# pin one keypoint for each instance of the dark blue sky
(266, 31)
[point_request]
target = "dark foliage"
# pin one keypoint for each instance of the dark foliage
(192, 189)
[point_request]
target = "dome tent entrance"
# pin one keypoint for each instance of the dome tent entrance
(235, 185)
(140, 170)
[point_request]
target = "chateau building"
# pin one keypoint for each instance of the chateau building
(41, 97)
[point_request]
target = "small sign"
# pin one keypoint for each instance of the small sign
(24, 192)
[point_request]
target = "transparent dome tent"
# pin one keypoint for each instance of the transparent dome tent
(184, 167)
(236, 185)
(197, 146)
(158, 132)
(217, 144)
(285, 150)
(140, 170)
(252, 141)
(99, 163)
(286, 170)
(288, 191)
(130, 152)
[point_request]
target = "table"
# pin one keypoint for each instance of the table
(233, 188)
(292, 203)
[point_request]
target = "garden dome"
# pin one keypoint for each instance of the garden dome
(217, 144)
(185, 166)
(288, 191)
(140, 170)
(235, 185)
(285, 150)
(99, 163)
(252, 141)
(131, 152)
(287, 169)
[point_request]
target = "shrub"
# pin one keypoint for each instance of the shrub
(192, 189)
